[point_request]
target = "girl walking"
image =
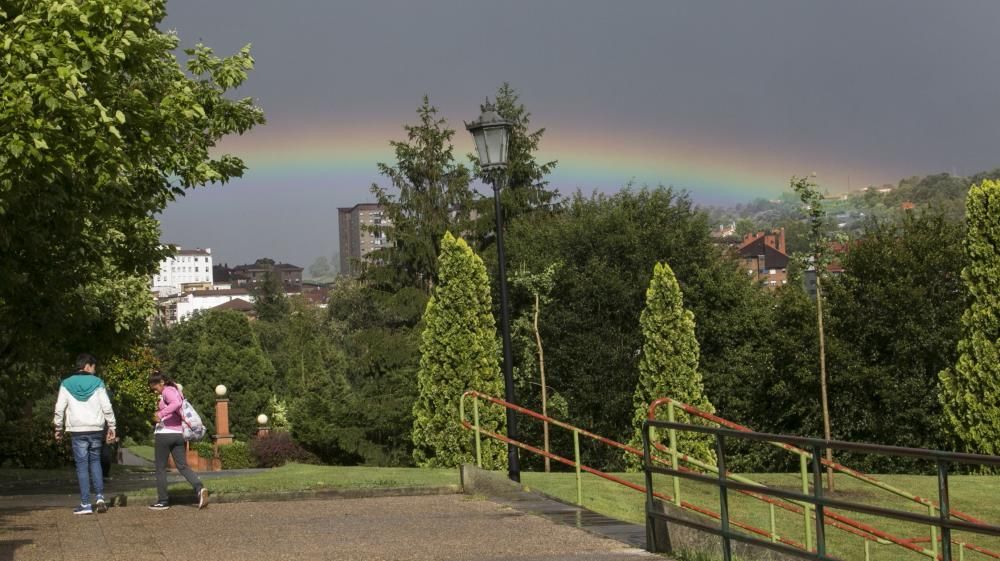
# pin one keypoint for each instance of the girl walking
(168, 440)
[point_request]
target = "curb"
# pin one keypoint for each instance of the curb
(188, 497)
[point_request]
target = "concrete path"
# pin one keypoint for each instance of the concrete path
(446, 527)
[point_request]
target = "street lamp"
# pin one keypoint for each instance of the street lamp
(492, 133)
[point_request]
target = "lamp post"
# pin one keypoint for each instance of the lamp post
(491, 133)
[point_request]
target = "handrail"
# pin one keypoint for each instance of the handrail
(805, 456)
(816, 499)
(582, 467)
(952, 456)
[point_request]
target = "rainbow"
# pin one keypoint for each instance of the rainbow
(343, 155)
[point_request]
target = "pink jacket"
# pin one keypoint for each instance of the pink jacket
(170, 408)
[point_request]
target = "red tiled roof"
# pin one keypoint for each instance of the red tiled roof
(223, 292)
(237, 304)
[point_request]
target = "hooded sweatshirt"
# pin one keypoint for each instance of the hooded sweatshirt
(83, 405)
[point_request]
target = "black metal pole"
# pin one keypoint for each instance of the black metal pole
(513, 465)
(720, 462)
(945, 509)
(818, 494)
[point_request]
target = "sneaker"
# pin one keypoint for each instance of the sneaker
(83, 509)
(102, 506)
(159, 506)
(202, 498)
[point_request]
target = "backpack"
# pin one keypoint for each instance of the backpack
(191, 423)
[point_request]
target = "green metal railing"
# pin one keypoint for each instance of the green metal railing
(816, 499)
(868, 532)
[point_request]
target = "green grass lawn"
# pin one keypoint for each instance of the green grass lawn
(975, 495)
(301, 477)
(10, 475)
(144, 452)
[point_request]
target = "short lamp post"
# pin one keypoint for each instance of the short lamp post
(222, 436)
(262, 429)
(492, 133)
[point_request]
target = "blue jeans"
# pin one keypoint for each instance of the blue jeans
(87, 455)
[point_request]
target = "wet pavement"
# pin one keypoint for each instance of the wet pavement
(445, 527)
(574, 516)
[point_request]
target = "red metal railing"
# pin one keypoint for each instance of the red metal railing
(576, 463)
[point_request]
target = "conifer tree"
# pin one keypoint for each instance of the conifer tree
(458, 351)
(432, 196)
(669, 364)
(970, 392)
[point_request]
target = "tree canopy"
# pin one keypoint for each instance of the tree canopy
(100, 128)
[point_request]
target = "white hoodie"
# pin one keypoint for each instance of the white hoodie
(84, 416)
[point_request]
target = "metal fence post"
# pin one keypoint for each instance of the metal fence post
(720, 457)
(818, 494)
(475, 418)
(673, 453)
(806, 520)
(657, 535)
(579, 476)
(934, 531)
(943, 501)
(774, 526)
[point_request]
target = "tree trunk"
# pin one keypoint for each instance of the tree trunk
(822, 380)
(545, 395)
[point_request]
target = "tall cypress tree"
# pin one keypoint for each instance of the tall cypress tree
(669, 363)
(970, 391)
(458, 351)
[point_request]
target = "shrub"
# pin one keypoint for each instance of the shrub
(236, 456)
(279, 448)
(205, 449)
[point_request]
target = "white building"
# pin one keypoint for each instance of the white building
(186, 266)
(198, 300)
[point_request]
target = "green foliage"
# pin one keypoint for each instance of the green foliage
(669, 365)
(970, 391)
(277, 411)
(127, 380)
(784, 395)
(458, 351)
(101, 129)
(525, 179)
(381, 332)
(28, 442)
(219, 347)
(237, 456)
(607, 245)
(204, 449)
(433, 197)
(884, 366)
(270, 302)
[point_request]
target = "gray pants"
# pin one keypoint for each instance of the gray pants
(171, 444)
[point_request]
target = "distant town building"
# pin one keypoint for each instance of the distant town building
(186, 266)
(763, 256)
(359, 234)
(248, 276)
(199, 300)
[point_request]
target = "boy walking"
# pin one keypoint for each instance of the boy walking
(82, 409)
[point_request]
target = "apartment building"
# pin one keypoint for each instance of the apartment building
(359, 234)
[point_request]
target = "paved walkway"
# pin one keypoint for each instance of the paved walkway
(446, 527)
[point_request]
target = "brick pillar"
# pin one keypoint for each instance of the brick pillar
(263, 432)
(222, 436)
